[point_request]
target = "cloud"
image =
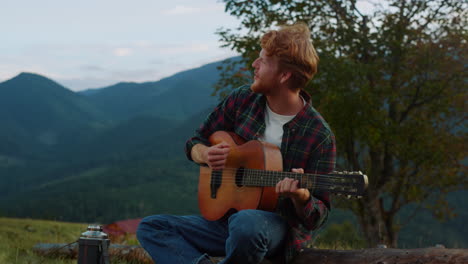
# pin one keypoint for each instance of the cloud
(185, 48)
(181, 10)
(122, 52)
(215, 8)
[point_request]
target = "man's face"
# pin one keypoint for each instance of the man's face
(266, 73)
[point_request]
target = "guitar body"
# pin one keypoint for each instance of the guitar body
(219, 192)
(250, 176)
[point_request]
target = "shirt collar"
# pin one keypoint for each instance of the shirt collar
(305, 112)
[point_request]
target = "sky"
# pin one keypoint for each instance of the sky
(96, 43)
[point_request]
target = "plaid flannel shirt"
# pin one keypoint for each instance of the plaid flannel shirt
(307, 143)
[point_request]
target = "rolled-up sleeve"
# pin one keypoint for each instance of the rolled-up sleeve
(221, 118)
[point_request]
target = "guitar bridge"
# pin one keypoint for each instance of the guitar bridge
(216, 178)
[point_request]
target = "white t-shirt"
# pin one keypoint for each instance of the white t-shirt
(274, 126)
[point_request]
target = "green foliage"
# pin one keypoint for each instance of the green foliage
(421, 229)
(340, 236)
(129, 189)
(392, 85)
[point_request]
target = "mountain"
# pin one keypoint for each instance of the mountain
(52, 137)
(176, 97)
(38, 113)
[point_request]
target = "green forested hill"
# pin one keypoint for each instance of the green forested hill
(176, 97)
(142, 173)
(121, 141)
(38, 114)
(49, 132)
(111, 166)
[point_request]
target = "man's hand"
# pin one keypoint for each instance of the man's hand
(215, 156)
(289, 187)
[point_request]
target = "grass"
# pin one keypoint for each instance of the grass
(342, 236)
(18, 236)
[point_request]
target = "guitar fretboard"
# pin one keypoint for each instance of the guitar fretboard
(263, 178)
(345, 183)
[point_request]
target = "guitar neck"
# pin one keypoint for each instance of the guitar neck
(348, 183)
(262, 178)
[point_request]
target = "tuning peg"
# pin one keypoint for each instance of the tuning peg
(348, 196)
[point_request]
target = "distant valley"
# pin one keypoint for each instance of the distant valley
(102, 154)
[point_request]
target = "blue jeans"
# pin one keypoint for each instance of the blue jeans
(245, 237)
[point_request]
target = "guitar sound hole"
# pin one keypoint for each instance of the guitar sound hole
(240, 177)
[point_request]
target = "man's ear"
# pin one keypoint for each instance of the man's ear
(285, 76)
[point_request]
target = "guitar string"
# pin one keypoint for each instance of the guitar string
(270, 178)
(258, 172)
(325, 187)
(261, 176)
(248, 178)
(273, 181)
(344, 190)
(272, 184)
(302, 177)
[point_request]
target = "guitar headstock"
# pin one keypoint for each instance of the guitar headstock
(348, 183)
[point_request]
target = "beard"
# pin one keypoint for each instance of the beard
(256, 87)
(262, 86)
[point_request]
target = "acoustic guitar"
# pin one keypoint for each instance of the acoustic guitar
(251, 173)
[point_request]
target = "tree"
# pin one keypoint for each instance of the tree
(392, 85)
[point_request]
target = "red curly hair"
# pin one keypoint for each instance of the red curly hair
(293, 47)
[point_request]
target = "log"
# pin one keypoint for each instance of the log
(131, 254)
(432, 255)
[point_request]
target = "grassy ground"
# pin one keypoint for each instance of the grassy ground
(18, 236)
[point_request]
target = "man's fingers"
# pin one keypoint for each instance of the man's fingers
(217, 150)
(218, 163)
(294, 186)
(300, 170)
(217, 157)
(287, 185)
(223, 145)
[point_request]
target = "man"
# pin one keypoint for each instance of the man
(273, 109)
